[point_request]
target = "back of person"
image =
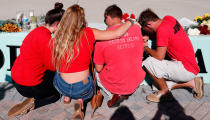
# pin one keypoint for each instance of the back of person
(81, 60)
(34, 58)
(179, 45)
(122, 57)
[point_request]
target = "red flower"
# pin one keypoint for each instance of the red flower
(126, 19)
(125, 16)
(132, 16)
(204, 29)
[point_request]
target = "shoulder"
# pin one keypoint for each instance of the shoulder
(41, 29)
(136, 27)
(89, 33)
(100, 45)
(40, 32)
(88, 30)
(168, 17)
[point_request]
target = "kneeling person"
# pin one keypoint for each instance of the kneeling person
(173, 40)
(119, 61)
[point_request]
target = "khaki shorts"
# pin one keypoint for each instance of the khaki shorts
(170, 70)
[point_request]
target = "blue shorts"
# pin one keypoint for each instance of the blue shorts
(80, 90)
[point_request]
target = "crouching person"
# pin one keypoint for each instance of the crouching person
(30, 70)
(119, 61)
(182, 69)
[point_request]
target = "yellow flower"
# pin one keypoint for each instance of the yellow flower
(198, 17)
(206, 15)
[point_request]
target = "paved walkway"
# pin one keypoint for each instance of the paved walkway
(183, 107)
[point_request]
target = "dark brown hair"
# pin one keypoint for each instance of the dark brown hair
(113, 11)
(54, 14)
(146, 16)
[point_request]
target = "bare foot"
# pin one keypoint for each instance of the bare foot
(66, 100)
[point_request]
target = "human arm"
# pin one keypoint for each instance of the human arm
(98, 67)
(112, 34)
(98, 57)
(158, 53)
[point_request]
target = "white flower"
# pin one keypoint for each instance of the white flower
(194, 31)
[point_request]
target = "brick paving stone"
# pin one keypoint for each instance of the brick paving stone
(207, 116)
(201, 111)
(62, 116)
(192, 107)
(185, 106)
(144, 111)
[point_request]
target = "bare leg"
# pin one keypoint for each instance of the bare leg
(67, 100)
(161, 83)
(190, 84)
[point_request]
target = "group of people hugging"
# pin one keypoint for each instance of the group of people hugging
(49, 66)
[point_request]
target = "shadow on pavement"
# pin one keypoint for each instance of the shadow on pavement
(122, 113)
(5, 86)
(171, 110)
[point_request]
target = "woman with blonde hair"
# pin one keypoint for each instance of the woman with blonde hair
(72, 47)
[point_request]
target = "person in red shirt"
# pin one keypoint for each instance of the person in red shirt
(119, 61)
(31, 71)
(72, 50)
(182, 69)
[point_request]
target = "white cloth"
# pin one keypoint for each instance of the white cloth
(170, 70)
(101, 86)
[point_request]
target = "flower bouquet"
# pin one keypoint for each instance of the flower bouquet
(204, 24)
(126, 17)
(9, 26)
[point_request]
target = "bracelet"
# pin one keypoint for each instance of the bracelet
(132, 22)
(145, 47)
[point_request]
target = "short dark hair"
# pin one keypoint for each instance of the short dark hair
(54, 14)
(146, 16)
(113, 11)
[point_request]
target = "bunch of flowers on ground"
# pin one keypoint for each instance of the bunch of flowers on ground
(204, 23)
(126, 17)
(10, 27)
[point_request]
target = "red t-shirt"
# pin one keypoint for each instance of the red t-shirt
(122, 60)
(34, 58)
(170, 34)
(82, 61)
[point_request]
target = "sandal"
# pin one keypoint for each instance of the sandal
(66, 100)
(22, 108)
(78, 114)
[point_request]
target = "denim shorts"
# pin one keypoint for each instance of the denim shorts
(79, 90)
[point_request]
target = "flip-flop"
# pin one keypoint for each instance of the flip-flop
(78, 114)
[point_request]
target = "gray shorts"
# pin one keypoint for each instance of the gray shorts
(170, 70)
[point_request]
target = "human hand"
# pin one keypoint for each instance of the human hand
(145, 38)
(145, 44)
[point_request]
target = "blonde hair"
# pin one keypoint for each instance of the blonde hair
(67, 36)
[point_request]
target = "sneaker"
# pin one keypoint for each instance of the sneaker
(154, 97)
(22, 108)
(158, 97)
(198, 90)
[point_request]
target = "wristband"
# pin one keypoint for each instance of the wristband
(132, 22)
